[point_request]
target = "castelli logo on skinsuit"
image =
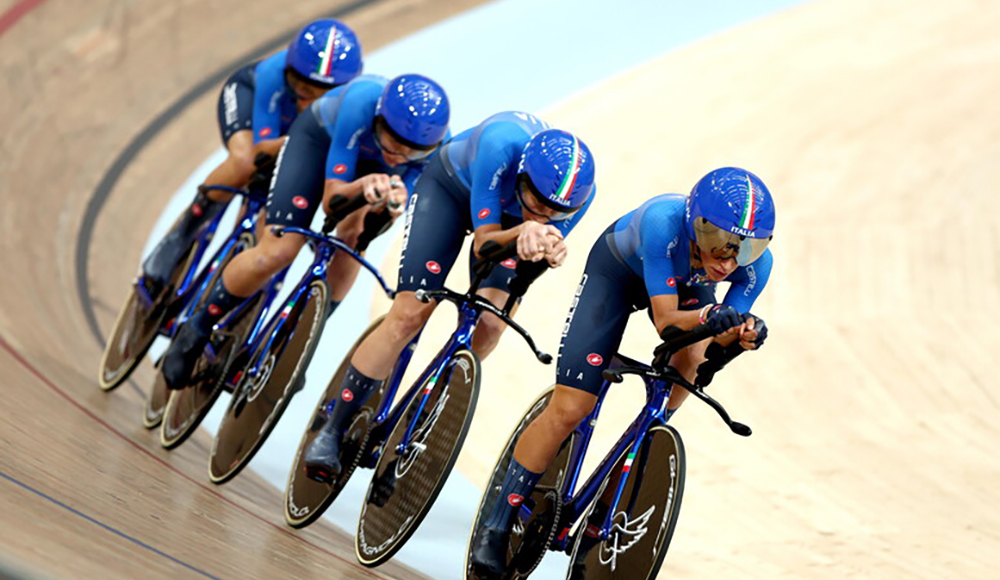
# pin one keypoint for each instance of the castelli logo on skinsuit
(300, 202)
(515, 500)
(340, 169)
(433, 267)
(509, 263)
(595, 359)
(265, 132)
(214, 310)
(347, 396)
(671, 282)
(484, 213)
(197, 210)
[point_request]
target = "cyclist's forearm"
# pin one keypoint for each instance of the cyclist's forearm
(665, 313)
(493, 233)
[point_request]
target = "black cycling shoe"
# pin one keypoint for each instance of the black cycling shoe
(489, 555)
(159, 265)
(180, 358)
(322, 457)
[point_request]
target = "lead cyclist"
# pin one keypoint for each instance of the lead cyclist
(667, 255)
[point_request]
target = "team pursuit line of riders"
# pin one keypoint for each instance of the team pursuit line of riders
(307, 129)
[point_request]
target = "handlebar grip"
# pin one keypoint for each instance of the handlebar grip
(675, 339)
(490, 254)
(341, 207)
(494, 252)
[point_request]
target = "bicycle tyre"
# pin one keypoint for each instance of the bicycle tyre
(125, 347)
(187, 408)
(255, 409)
(383, 530)
(156, 403)
(548, 493)
(305, 498)
(662, 452)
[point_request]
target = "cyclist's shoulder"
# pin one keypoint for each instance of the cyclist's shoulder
(662, 211)
(504, 132)
(271, 66)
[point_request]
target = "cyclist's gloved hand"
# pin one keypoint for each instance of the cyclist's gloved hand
(722, 317)
(753, 339)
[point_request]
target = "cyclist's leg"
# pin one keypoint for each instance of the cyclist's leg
(235, 112)
(294, 197)
(607, 295)
(436, 223)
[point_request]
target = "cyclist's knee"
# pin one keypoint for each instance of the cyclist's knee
(242, 163)
(350, 228)
(407, 316)
(565, 413)
(687, 359)
(488, 331)
(272, 255)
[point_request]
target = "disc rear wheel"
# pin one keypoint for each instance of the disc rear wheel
(137, 327)
(306, 499)
(261, 397)
(187, 407)
(539, 518)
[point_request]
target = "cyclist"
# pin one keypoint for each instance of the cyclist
(256, 108)
(371, 137)
(509, 178)
(667, 255)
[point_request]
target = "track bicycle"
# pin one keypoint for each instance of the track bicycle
(619, 523)
(268, 367)
(413, 445)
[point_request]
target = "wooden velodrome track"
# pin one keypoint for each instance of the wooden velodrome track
(85, 491)
(876, 124)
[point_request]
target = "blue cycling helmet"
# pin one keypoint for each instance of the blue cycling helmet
(416, 111)
(560, 169)
(730, 211)
(326, 52)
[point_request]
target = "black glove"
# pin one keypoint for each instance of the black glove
(721, 318)
(761, 327)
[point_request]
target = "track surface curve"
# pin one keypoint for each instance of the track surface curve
(85, 491)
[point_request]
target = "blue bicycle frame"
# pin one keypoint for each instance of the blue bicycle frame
(324, 247)
(470, 309)
(574, 504)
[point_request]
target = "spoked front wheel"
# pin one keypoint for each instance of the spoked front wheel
(262, 396)
(538, 518)
(406, 482)
(136, 328)
(647, 513)
(306, 499)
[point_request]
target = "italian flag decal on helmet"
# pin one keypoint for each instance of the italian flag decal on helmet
(569, 180)
(749, 207)
(326, 65)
